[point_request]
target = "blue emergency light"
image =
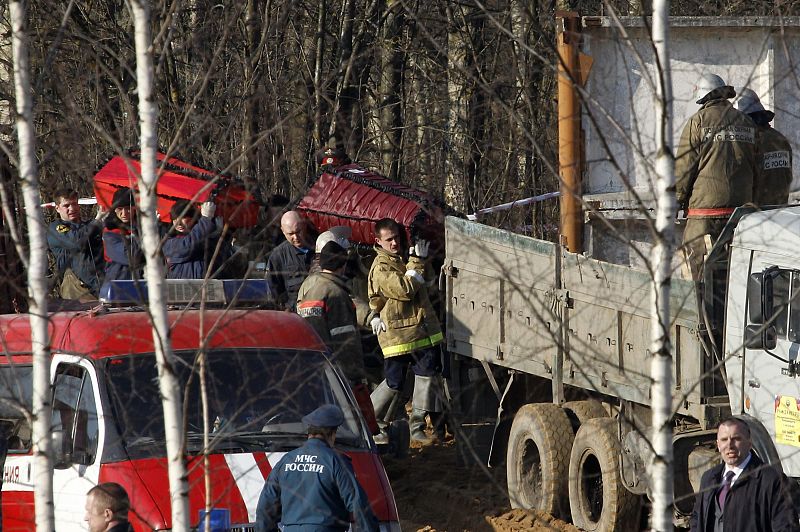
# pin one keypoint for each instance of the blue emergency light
(246, 292)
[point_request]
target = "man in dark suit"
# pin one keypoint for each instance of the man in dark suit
(742, 494)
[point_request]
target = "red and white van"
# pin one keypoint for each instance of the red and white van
(264, 371)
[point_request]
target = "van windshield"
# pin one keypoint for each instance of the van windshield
(255, 400)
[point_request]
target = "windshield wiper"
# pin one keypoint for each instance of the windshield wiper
(221, 441)
(140, 441)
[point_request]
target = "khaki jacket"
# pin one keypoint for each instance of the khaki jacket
(715, 163)
(325, 302)
(403, 305)
(774, 168)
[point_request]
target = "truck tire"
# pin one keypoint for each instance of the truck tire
(580, 412)
(537, 459)
(597, 498)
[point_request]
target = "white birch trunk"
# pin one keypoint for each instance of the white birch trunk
(661, 471)
(37, 274)
(168, 384)
(456, 154)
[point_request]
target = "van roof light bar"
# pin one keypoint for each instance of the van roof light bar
(245, 292)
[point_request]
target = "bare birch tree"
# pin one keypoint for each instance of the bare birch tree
(661, 468)
(168, 383)
(37, 272)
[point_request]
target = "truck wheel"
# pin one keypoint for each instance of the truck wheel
(597, 498)
(537, 459)
(580, 412)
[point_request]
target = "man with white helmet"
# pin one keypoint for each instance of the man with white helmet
(325, 301)
(714, 168)
(773, 153)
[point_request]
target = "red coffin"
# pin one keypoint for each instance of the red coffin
(179, 180)
(357, 198)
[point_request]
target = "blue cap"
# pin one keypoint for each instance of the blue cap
(325, 416)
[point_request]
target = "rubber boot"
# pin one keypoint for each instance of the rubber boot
(438, 420)
(418, 424)
(385, 402)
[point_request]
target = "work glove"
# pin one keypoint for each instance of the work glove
(377, 325)
(102, 214)
(414, 274)
(420, 249)
(207, 209)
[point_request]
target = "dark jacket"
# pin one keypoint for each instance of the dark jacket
(287, 268)
(758, 501)
(313, 488)
(715, 162)
(78, 246)
(123, 526)
(187, 254)
(325, 302)
(774, 176)
(122, 251)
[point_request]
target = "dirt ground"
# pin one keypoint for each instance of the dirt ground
(436, 492)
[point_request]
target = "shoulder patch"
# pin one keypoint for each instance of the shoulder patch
(62, 228)
(776, 160)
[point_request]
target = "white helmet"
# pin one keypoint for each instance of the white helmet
(339, 234)
(708, 83)
(748, 101)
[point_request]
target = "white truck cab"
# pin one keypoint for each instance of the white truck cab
(762, 327)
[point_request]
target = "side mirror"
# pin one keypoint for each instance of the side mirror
(61, 458)
(760, 337)
(760, 296)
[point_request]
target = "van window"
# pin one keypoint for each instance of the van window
(255, 400)
(75, 413)
(16, 400)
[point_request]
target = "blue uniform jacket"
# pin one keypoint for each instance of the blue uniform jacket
(186, 254)
(78, 246)
(313, 488)
(123, 254)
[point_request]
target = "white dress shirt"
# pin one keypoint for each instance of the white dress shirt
(737, 470)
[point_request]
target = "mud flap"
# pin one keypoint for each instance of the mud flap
(498, 449)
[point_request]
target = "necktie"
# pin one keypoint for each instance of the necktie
(726, 487)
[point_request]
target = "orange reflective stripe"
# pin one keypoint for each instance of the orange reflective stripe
(721, 211)
(312, 303)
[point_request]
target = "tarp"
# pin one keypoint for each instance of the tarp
(179, 180)
(357, 198)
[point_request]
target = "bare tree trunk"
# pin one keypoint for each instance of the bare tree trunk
(391, 117)
(661, 367)
(343, 99)
(168, 384)
(37, 273)
(247, 167)
(456, 137)
(319, 58)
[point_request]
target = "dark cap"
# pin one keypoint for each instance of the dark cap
(332, 257)
(183, 209)
(326, 416)
(123, 197)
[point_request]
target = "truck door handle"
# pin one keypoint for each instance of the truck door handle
(754, 383)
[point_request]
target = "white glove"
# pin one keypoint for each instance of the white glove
(414, 274)
(377, 325)
(420, 249)
(101, 213)
(207, 209)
